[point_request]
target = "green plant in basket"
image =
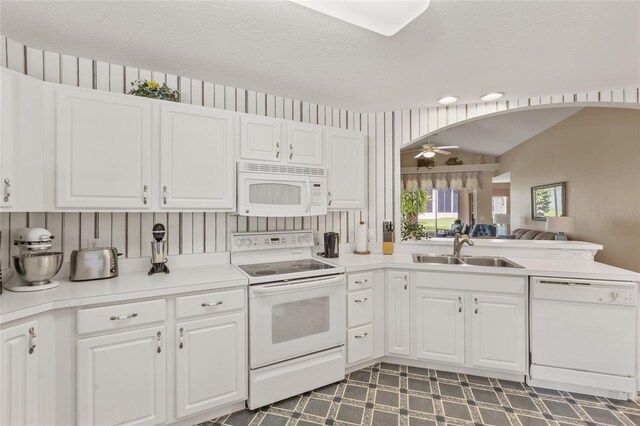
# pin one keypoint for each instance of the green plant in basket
(153, 89)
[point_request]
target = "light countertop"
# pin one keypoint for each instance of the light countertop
(531, 266)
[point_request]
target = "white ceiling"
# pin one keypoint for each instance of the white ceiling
(496, 135)
(463, 48)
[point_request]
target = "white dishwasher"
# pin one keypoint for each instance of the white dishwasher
(583, 336)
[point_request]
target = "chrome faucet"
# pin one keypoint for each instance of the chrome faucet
(458, 243)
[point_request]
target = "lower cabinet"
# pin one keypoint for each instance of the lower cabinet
(211, 370)
(498, 330)
(122, 378)
(20, 375)
(440, 326)
(398, 313)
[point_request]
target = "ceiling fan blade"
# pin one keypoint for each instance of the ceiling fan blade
(439, 151)
(419, 155)
(449, 147)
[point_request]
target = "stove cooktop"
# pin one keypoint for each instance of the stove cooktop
(284, 267)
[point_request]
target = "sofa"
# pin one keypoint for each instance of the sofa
(531, 234)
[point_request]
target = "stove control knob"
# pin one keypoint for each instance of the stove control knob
(247, 242)
(239, 242)
(307, 238)
(613, 296)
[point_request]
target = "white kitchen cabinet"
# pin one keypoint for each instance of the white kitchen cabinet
(103, 150)
(261, 138)
(360, 344)
(440, 326)
(304, 143)
(20, 375)
(122, 378)
(498, 329)
(8, 139)
(345, 160)
(211, 367)
(398, 313)
(196, 157)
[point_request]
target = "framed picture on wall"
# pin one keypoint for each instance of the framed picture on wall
(548, 200)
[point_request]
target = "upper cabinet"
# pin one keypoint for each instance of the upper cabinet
(261, 138)
(346, 169)
(7, 138)
(196, 157)
(103, 150)
(304, 143)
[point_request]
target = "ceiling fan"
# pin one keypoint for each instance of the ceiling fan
(430, 150)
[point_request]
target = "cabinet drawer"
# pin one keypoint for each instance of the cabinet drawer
(360, 281)
(209, 303)
(359, 308)
(115, 317)
(359, 344)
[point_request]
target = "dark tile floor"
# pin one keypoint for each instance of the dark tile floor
(392, 395)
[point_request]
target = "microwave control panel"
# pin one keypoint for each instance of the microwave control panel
(264, 240)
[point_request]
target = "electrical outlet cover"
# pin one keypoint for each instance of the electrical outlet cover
(93, 242)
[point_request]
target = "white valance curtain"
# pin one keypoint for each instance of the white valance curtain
(446, 180)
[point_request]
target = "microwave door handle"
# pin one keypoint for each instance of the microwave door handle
(293, 286)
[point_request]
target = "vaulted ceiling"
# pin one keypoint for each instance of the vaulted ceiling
(463, 48)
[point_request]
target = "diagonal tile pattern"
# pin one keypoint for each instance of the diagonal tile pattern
(396, 395)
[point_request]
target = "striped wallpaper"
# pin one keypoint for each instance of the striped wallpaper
(208, 232)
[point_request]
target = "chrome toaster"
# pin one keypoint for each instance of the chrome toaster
(94, 263)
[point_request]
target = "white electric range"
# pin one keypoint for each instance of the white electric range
(296, 314)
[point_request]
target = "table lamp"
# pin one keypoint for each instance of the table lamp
(502, 219)
(561, 224)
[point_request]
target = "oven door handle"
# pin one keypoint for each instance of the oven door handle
(296, 285)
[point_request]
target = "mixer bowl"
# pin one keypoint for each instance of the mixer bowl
(38, 268)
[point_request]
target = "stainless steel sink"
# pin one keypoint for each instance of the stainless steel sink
(436, 259)
(495, 262)
(444, 259)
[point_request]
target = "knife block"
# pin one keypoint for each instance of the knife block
(387, 242)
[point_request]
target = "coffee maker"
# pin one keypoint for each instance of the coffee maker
(158, 250)
(331, 244)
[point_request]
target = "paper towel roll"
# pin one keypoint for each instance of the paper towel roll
(361, 238)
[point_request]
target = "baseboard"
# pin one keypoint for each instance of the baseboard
(210, 415)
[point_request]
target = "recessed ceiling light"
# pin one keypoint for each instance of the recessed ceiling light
(448, 100)
(492, 96)
(382, 17)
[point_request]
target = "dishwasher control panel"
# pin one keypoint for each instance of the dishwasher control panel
(570, 290)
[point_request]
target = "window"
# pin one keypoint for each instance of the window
(442, 210)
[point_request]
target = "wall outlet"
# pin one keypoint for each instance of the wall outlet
(93, 242)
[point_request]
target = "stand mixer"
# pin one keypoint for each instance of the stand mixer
(158, 250)
(35, 264)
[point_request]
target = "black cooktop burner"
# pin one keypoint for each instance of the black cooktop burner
(285, 267)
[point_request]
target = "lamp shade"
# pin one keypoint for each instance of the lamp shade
(561, 224)
(501, 219)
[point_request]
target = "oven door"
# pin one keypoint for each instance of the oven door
(291, 319)
(262, 194)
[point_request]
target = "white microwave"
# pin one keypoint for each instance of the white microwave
(272, 190)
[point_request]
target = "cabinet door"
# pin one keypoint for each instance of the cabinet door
(440, 326)
(498, 332)
(196, 157)
(347, 171)
(261, 138)
(211, 363)
(121, 378)
(19, 386)
(304, 143)
(8, 135)
(103, 150)
(398, 313)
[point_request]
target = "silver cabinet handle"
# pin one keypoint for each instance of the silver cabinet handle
(206, 305)
(144, 194)
(123, 317)
(164, 195)
(330, 198)
(159, 341)
(277, 149)
(290, 151)
(362, 282)
(7, 190)
(459, 304)
(33, 340)
(361, 300)
(475, 300)
(405, 281)
(181, 345)
(361, 336)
